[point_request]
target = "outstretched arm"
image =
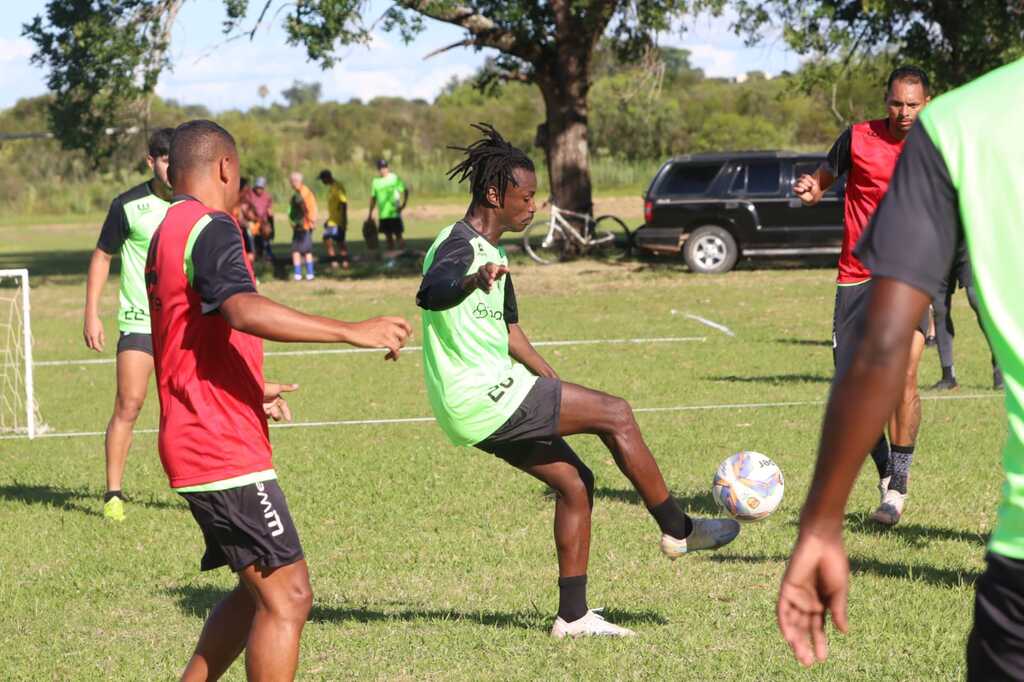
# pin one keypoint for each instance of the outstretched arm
(258, 315)
(521, 350)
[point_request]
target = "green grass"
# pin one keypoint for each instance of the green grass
(432, 562)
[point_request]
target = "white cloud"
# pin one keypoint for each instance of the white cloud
(15, 50)
(715, 61)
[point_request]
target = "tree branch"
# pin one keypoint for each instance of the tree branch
(462, 43)
(485, 31)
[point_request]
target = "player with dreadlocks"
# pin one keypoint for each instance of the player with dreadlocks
(490, 388)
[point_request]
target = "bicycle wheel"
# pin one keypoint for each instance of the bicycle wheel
(537, 245)
(611, 236)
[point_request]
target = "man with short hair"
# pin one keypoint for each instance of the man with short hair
(259, 211)
(867, 153)
(336, 225)
(236, 213)
(208, 326)
(389, 195)
(958, 180)
(131, 221)
(490, 388)
(302, 214)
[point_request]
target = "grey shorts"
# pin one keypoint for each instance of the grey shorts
(535, 420)
(302, 241)
(848, 324)
(135, 341)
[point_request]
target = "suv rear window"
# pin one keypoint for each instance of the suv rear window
(687, 178)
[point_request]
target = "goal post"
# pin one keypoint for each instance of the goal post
(19, 412)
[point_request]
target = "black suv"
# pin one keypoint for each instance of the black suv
(718, 207)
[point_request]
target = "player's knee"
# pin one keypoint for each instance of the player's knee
(298, 601)
(128, 407)
(620, 413)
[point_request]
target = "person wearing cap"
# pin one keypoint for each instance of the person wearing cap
(390, 195)
(302, 214)
(258, 210)
(337, 220)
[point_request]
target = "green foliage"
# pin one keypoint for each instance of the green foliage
(301, 93)
(954, 41)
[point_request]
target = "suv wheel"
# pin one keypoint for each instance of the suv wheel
(710, 250)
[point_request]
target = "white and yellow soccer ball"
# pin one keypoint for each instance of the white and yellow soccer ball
(748, 486)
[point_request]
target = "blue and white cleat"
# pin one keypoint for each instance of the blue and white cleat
(706, 534)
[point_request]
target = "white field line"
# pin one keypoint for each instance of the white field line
(714, 325)
(423, 420)
(346, 351)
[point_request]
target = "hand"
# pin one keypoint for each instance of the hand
(807, 189)
(92, 331)
(815, 581)
(485, 277)
(274, 406)
(382, 332)
(547, 371)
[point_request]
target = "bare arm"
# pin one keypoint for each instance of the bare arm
(811, 188)
(260, 316)
(373, 203)
(520, 348)
(99, 271)
(405, 199)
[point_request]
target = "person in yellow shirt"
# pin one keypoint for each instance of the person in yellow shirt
(337, 220)
(302, 214)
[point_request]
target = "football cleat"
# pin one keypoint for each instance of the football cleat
(706, 534)
(890, 510)
(592, 624)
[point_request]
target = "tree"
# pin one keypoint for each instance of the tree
(104, 59)
(550, 44)
(301, 93)
(954, 41)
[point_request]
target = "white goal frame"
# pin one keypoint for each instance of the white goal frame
(26, 331)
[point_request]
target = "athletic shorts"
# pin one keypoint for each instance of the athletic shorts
(535, 420)
(332, 231)
(995, 647)
(135, 341)
(246, 525)
(393, 226)
(302, 241)
(848, 324)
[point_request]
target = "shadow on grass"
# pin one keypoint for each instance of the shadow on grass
(933, 575)
(774, 379)
(198, 601)
(913, 533)
(824, 343)
(82, 500)
(690, 502)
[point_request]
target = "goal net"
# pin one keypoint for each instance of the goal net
(19, 413)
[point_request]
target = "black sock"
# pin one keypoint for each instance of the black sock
(902, 457)
(881, 456)
(948, 374)
(572, 598)
(111, 494)
(671, 519)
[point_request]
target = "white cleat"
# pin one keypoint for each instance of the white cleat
(706, 534)
(890, 510)
(298, 278)
(591, 625)
(309, 277)
(883, 487)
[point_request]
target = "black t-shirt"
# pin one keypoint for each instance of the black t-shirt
(441, 287)
(218, 263)
(116, 228)
(916, 231)
(840, 159)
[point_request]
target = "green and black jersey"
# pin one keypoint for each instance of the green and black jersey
(473, 384)
(130, 224)
(960, 178)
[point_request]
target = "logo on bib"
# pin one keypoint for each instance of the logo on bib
(482, 312)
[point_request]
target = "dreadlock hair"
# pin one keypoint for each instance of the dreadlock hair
(489, 162)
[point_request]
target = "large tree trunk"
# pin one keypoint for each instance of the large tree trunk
(567, 150)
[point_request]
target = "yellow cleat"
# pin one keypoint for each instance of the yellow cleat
(113, 509)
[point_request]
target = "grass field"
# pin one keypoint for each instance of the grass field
(432, 562)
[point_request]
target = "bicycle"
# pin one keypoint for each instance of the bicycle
(554, 239)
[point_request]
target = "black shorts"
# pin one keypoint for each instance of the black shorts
(848, 324)
(302, 241)
(393, 226)
(535, 420)
(244, 526)
(995, 647)
(135, 341)
(335, 233)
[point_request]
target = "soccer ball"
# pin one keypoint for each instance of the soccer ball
(748, 486)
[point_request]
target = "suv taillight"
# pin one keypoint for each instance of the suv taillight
(648, 211)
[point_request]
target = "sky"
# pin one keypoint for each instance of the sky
(226, 75)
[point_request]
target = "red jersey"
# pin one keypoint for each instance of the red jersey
(871, 160)
(209, 376)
